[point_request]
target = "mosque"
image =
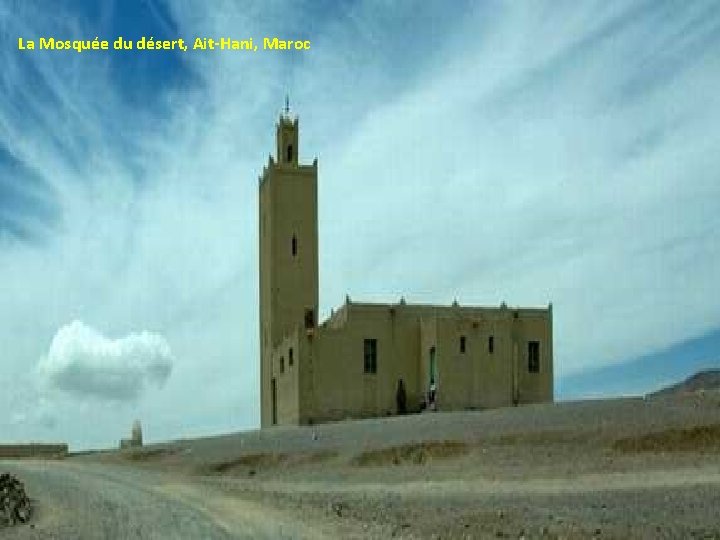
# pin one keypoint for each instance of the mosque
(445, 357)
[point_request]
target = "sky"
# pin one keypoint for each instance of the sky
(484, 151)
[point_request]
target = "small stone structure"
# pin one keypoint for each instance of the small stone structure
(33, 450)
(135, 439)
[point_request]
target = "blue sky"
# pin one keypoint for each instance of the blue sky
(518, 152)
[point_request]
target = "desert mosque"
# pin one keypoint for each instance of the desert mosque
(350, 365)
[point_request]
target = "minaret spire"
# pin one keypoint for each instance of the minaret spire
(287, 104)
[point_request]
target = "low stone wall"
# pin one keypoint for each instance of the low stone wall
(33, 450)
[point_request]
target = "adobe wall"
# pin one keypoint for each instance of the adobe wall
(287, 379)
(328, 382)
(535, 387)
(341, 388)
(476, 378)
(33, 450)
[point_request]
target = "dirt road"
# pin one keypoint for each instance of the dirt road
(102, 501)
(605, 469)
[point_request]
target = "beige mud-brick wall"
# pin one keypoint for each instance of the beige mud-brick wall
(287, 380)
(476, 378)
(398, 352)
(335, 384)
(33, 450)
(304, 340)
(342, 388)
(265, 233)
(535, 325)
(455, 380)
(494, 376)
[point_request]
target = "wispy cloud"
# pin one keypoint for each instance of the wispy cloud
(501, 151)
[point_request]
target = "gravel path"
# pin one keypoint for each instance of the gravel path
(100, 501)
(675, 503)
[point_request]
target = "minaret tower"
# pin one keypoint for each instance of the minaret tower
(288, 252)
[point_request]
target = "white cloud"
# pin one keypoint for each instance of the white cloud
(512, 152)
(84, 363)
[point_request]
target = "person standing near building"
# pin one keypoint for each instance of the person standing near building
(401, 397)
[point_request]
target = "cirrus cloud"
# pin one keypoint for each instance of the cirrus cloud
(84, 363)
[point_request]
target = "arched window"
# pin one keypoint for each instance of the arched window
(289, 153)
(293, 246)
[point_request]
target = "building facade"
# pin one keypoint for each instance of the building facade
(350, 365)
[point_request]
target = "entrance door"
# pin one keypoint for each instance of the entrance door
(432, 382)
(432, 372)
(273, 386)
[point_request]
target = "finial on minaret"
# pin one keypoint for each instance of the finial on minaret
(287, 104)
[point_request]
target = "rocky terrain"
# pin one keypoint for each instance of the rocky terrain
(701, 382)
(15, 505)
(624, 468)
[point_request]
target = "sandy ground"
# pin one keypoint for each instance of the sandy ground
(628, 468)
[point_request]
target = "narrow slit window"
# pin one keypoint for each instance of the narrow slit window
(309, 318)
(534, 356)
(290, 357)
(463, 344)
(491, 344)
(282, 364)
(289, 153)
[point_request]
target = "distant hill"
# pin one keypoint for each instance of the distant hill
(637, 376)
(707, 380)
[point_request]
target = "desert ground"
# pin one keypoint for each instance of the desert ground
(624, 468)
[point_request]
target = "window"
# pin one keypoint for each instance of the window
(289, 153)
(293, 245)
(534, 356)
(282, 364)
(433, 366)
(309, 318)
(491, 344)
(370, 356)
(462, 344)
(290, 357)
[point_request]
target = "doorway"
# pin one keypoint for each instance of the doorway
(273, 387)
(432, 383)
(432, 372)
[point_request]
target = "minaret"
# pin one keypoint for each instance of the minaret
(288, 252)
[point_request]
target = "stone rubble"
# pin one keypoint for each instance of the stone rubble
(15, 506)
